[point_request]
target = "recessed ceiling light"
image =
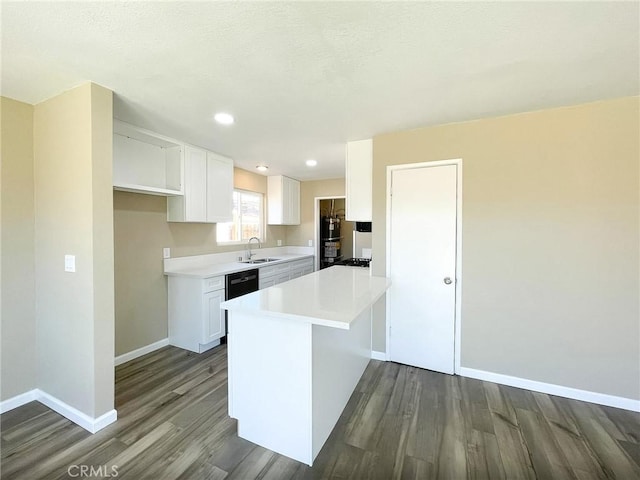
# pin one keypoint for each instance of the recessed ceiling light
(262, 168)
(311, 163)
(223, 118)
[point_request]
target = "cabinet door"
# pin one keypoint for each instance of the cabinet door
(208, 189)
(294, 202)
(275, 199)
(290, 201)
(358, 181)
(219, 188)
(283, 200)
(287, 205)
(195, 185)
(212, 316)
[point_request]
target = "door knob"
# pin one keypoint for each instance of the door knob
(447, 281)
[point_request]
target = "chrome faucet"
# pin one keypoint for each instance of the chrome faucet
(249, 247)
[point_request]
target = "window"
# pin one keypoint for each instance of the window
(247, 220)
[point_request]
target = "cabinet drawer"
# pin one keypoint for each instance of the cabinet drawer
(267, 282)
(275, 269)
(302, 263)
(283, 277)
(213, 283)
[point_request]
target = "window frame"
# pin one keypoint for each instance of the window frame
(263, 223)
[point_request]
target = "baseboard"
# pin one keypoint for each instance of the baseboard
(18, 400)
(552, 389)
(76, 416)
(126, 357)
(203, 347)
(378, 356)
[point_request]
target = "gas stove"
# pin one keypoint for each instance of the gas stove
(355, 262)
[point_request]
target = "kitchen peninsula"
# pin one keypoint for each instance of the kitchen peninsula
(296, 352)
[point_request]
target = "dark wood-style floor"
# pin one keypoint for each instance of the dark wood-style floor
(401, 422)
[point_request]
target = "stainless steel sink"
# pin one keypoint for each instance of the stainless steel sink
(261, 260)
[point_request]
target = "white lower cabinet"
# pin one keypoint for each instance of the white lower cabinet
(196, 322)
(300, 268)
(213, 324)
(283, 272)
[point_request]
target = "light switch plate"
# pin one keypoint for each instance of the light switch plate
(311, 243)
(166, 252)
(279, 243)
(69, 263)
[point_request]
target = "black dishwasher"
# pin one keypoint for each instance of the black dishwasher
(238, 284)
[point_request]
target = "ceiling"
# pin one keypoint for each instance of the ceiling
(303, 78)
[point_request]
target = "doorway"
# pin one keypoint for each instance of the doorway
(423, 262)
(333, 234)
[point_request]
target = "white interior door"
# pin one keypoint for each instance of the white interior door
(422, 266)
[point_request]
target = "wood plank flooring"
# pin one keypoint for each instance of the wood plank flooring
(401, 423)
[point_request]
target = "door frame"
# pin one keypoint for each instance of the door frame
(316, 223)
(458, 297)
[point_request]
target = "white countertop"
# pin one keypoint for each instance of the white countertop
(214, 269)
(332, 297)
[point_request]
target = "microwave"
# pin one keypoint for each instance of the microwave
(363, 227)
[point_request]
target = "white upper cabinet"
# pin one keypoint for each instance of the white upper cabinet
(146, 162)
(195, 187)
(208, 189)
(358, 181)
(199, 183)
(219, 188)
(283, 198)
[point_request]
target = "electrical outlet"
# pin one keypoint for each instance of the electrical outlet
(166, 252)
(279, 243)
(311, 243)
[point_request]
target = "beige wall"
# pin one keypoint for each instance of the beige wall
(103, 256)
(141, 231)
(18, 328)
(550, 232)
(72, 154)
